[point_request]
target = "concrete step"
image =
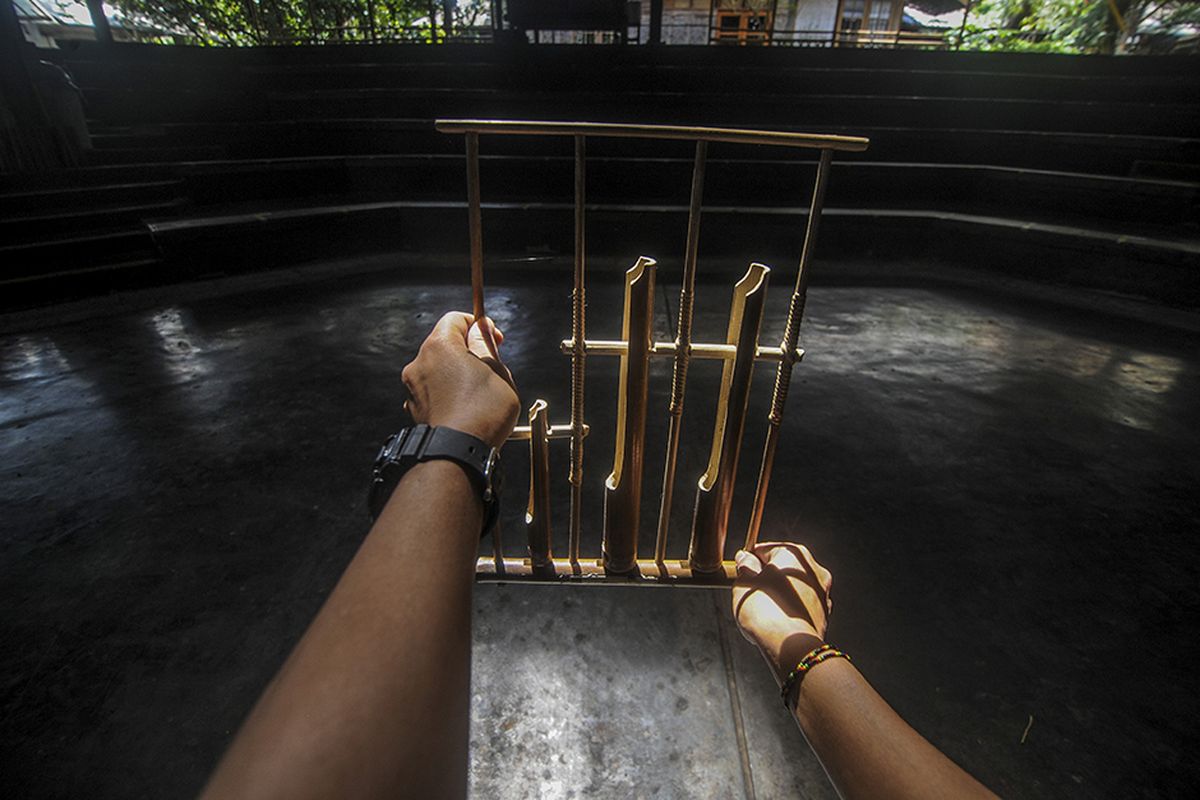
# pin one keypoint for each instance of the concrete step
(1052, 196)
(76, 282)
(32, 228)
(34, 202)
(604, 100)
(951, 80)
(28, 260)
(786, 110)
(1107, 154)
(1160, 269)
(150, 154)
(798, 81)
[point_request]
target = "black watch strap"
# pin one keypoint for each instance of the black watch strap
(419, 443)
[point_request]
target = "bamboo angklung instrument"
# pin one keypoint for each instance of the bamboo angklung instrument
(714, 493)
(623, 489)
(619, 563)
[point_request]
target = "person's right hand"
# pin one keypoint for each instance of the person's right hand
(455, 381)
(781, 601)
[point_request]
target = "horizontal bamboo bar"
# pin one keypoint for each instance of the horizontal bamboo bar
(521, 433)
(815, 141)
(724, 352)
(590, 572)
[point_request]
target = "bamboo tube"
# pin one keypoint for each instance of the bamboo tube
(578, 356)
(623, 489)
(791, 336)
(475, 224)
(683, 348)
(537, 512)
(714, 494)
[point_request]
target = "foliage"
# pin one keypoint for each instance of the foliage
(1072, 26)
(248, 22)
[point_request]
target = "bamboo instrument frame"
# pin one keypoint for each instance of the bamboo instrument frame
(619, 562)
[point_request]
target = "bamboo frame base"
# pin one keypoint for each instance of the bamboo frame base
(591, 572)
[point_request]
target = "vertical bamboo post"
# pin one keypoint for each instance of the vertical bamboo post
(578, 356)
(537, 512)
(683, 348)
(791, 336)
(476, 225)
(623, 489)
(714, 492)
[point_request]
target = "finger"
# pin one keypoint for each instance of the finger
(783, 556)
(453, 326)
(748, 564)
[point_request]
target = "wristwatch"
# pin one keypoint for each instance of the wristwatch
(411, 446)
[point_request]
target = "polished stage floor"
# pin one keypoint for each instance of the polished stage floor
(1005, 490)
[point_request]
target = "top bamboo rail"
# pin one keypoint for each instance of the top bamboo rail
(812, 141)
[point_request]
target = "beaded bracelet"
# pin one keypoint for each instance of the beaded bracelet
(816, 656)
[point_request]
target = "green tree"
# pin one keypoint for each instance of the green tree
(243, 22)
(1073, 26)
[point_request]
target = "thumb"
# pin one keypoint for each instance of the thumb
(484, 338)
(748, 564)
(483, 342)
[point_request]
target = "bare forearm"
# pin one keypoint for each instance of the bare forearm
(374, 700)
(864, 745)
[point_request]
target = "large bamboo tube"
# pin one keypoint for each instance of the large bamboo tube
(714, 493)
(623, 489)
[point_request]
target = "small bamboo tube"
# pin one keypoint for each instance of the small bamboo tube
(623, 489)
(683, 348)
(537, 512)
(714, 492)
(578, 356)
(791, 337)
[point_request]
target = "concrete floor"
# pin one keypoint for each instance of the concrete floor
(1005, 491)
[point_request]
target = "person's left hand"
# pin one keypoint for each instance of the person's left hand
(456, 382)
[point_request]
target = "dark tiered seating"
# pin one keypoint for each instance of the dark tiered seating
(1064, 169)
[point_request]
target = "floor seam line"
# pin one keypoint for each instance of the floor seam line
(735, 702)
